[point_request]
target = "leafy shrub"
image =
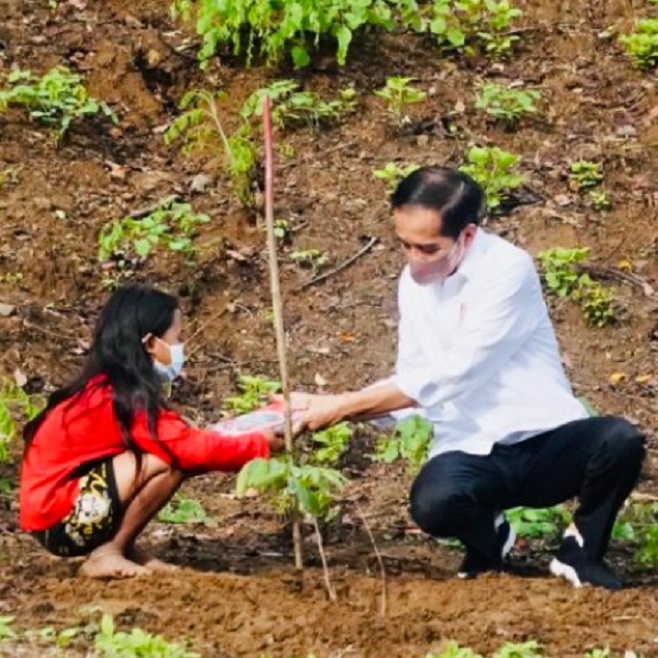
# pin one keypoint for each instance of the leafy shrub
(642, 44)
(565, 278)
(495, 170)
(56, 99)
(172, 226)
(410, 441)
(271, 29)
(506, 104)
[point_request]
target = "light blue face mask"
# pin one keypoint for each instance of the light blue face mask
(171, 371)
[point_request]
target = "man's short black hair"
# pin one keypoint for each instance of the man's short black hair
(451, 193)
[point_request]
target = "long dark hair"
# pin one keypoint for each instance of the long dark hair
(451, 193)
(118, 359)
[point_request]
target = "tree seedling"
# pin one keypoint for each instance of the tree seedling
(292, 106)
(255, 391)
(183, 510)
(110, 643)
(506, 104)
(16, 407)
(392, 173)
(454, 650)
(641, 45)
(398, 94)
(57, 99)
(171, 226)
(410, 441)
(271, 30)
(562, 272)
(530, 649)
(495, 170)
(470, 26)
(334, 441)
(585, 174)
(312, 258)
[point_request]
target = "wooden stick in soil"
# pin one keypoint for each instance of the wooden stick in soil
(325, 568)
(378, 555)
(277, 308)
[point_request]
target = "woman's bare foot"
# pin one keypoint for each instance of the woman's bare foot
(107, 562)
(149, 562)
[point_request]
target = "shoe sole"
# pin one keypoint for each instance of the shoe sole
(562, 570)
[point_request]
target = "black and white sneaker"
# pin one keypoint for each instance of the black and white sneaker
(475, 562)
(573, 564)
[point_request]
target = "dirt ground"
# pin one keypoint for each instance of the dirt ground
(237, 594)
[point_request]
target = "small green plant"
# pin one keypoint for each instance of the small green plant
(454, 650)
(8, 175)
(562, 271)
(495, 170)
(530, 649)
(270, 30)
(470, 26)
(600, 199)
(313, 258)
(16, 407)
(291, 106)
(281, 228)
(200, 124)
(410, 441)
(171, 226)
(333, 441)
(599, 653)
(638, 525)
(110, 643)
(255, 391)
(393, 173)
(313, 488)
(183, 510)
(57, 99)
(398, 93)
(642, 44)
(507, 104)
(51, 636)
(6, 631)
(585, 174)
(12, 278)
(531, 523)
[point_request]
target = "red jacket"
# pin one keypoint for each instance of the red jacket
(86, 431)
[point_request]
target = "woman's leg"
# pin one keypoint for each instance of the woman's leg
(143, 489)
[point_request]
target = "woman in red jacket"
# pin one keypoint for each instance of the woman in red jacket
(107, 453)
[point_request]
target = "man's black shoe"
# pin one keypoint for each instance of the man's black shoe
(475, 562)
(573, 563)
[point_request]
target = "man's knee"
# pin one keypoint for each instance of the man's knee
(434, 506)
(623, 442)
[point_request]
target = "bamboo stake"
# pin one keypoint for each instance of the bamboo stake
(277, 308)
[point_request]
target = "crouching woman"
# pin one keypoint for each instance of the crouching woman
(108, 453)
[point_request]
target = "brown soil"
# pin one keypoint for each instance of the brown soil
(237, 594)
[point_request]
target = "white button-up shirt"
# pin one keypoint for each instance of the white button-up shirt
(479, 354)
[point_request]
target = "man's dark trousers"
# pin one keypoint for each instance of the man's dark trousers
(597, 460)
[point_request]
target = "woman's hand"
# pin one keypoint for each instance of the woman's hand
(276, 441)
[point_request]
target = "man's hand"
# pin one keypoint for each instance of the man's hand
(317, 411)
(321, 411)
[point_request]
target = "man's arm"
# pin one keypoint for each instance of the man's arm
(325, 410)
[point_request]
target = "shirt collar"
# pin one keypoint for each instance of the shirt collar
(473, 254)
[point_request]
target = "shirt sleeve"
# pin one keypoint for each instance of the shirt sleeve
(196, 450)
(507, 310)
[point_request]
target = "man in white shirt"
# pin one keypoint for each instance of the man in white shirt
(478, 357)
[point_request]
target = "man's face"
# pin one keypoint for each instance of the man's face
(432, 257)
